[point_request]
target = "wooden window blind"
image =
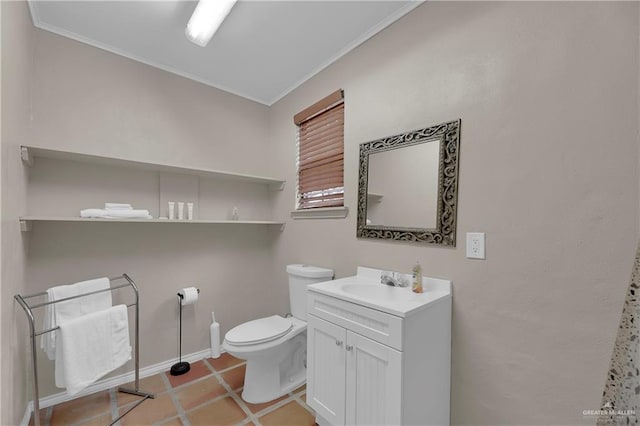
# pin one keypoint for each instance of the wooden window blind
(321, 153)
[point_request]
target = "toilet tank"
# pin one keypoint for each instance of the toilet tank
(300, 276)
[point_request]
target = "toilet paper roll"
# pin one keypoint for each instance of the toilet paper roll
(189, 295)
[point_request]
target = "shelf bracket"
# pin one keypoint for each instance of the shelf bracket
(25, 225)
(282, 227)
(27, 158)
(277, 186)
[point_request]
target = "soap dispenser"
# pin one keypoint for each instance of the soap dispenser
(417, 278)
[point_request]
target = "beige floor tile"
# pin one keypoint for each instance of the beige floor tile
(150, 411)
(81, 408)
(235, 377)
(197, 393)
(198, 369)
(152, 384)
(254, 408)
(290, 414)
(173, 422)
(123, 399)
(225, 361)
(223, 412)
(102, 420)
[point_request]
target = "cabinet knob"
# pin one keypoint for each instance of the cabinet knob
(349, 347)
(338, 343)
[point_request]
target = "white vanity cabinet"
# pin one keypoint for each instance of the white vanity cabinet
(367, 366)
(346, 369)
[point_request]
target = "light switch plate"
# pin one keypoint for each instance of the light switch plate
(475, 245)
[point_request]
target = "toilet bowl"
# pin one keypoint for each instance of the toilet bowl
(275, 347)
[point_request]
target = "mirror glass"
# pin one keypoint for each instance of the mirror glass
(408, 184)
(403, 186)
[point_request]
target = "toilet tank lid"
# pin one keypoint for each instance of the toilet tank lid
(308, 271)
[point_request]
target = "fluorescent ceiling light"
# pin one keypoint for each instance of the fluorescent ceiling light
(206, 20)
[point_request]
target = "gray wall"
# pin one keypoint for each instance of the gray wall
(17, 57)
(547, 94)
(88, 100)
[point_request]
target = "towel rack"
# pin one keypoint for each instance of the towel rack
(22, 300)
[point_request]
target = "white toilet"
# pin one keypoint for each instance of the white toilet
(275, 347)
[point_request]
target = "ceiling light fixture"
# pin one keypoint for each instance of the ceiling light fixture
(206, 20)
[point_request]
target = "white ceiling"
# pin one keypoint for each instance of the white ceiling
(262, 51)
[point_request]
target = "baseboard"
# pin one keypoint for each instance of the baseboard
(111, 382)
(27, 414)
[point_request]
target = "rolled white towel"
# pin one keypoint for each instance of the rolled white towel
(131, 214)
(115, 214)
(117, 206)
(93, 213)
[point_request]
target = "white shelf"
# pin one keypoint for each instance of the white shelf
(376, 198)
(25, 221)
(29, 153)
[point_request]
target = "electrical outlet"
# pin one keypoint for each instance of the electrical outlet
(475, 245)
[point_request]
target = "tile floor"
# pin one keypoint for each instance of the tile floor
(209, 394)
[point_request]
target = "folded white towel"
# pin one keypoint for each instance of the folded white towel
(92, 346)
(117, 206)
(115, 214)
(56, 313)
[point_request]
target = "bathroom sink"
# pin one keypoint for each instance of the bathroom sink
(365, 289)
(379, 292)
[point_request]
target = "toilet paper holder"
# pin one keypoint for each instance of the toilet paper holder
(181, 296)
(180, 367)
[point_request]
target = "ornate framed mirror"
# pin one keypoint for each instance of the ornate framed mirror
(408, 186)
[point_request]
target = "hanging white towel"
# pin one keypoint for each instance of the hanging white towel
(92, 346)
(56, 313)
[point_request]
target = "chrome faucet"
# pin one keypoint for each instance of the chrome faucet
(393, 279)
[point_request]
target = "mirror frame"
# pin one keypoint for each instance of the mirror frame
(445, 231)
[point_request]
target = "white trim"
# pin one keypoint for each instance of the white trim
(348, 48)
(27, 414)
(111, 382)
(321, 213)
(35, 17)
(37, 22)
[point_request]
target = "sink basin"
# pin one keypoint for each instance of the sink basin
(380, 293)
(365, 289)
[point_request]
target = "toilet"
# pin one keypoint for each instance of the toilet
(275, 347)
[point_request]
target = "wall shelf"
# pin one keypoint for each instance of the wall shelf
(26, 221)
(30, 153)
(374, 198)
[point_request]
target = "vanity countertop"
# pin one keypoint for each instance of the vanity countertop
(365, 289)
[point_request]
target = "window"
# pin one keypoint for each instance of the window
(321, 153)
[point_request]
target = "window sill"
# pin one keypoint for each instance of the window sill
(321, 213)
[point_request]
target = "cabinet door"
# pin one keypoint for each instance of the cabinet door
(326, 369)
(374, 382)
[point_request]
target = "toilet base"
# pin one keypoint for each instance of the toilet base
(276, 372)
(258, 396)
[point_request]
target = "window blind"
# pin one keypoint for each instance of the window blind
(321, 154)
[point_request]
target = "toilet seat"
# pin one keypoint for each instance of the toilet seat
(259, 331)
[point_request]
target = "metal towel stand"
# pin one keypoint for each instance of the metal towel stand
(28, 310)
